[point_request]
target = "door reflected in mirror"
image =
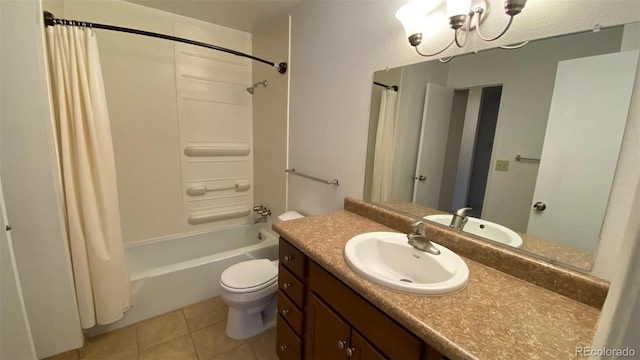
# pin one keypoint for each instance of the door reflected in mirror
(528, 138)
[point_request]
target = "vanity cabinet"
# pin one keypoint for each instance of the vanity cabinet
(319, 317)
(291, 298)
(330, 337)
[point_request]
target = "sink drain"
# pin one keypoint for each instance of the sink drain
(406, 280)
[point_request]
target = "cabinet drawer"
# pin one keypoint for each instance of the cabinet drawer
(288, 344)
(290, 313)
(390, 337)
(291, 286)
(292, 258)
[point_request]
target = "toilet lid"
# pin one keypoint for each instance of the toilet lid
(249, 274)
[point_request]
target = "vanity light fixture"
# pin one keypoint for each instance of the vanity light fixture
(461, 14)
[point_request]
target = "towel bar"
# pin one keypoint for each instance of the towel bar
(328, 182)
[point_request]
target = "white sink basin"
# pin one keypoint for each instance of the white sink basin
(387, 259)
(483, 228)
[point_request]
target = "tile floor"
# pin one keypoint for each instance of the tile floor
(195, 332)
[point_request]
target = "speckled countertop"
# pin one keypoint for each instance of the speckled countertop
(496, 316)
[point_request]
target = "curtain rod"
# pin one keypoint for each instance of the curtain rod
(389, 87)
(51, 20)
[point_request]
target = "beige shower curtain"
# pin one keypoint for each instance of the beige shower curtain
(384, 148)
(88, 174)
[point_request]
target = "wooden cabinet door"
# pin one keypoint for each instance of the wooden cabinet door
(327, 335)
(361, 349)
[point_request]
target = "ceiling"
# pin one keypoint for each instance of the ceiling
(242, 15)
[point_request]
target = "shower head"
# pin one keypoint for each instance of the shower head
(252, 88)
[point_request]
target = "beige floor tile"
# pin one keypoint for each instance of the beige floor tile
(117, 344)
(212, 341)
(180, 348)
(161, 329)
(264, 345)
(242, 352)
(67, 355)
(205, 313)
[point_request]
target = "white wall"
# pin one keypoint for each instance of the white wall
(163, 96)
(31, 182)
(271, 119)
(333, 57)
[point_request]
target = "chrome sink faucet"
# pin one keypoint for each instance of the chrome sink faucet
(418, 239)
(459, 219)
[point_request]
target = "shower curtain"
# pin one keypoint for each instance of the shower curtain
(88, 174)
(384, 149)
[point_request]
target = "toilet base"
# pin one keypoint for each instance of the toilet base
(242, 325)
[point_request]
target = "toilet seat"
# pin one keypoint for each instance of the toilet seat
(249, 276)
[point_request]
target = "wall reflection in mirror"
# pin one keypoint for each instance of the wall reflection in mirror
(528, 139)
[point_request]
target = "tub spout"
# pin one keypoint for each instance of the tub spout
(262, 219)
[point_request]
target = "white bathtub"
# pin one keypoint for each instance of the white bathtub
(172, 272)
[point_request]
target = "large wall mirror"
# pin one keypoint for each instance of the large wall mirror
(528, 138)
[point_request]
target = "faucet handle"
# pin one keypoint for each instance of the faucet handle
(417, 222)
(419, 226)
(462, 212)
(265, 212)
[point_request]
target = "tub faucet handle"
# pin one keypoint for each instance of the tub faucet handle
(265, 212)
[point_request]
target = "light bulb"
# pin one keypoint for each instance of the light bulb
(412, 18)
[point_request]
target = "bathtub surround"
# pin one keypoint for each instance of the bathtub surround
(88, 176)
(214, 122)
(168, 103)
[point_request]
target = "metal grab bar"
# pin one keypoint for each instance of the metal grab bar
(328, 182)
(520, 158)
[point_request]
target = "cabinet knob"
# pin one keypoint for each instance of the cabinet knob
(283, 347)
(342, 344)
(287, 258)
(350, 351)
(285, 286)
(284, 312)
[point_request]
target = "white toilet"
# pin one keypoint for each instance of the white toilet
(249, 289)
